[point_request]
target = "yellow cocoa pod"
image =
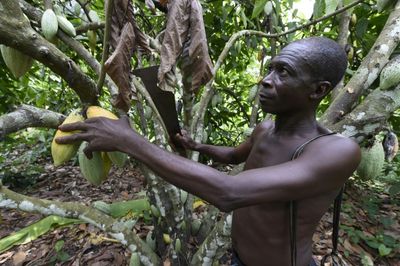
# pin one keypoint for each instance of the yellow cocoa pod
(64, 152)
(17, 62)
(97, 111)
(95, 169)
(117, 158)
(167, 239)
(66, 26)
(49, 24)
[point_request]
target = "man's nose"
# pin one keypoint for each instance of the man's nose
(266, 82)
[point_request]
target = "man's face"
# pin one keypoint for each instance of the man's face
(288, 84)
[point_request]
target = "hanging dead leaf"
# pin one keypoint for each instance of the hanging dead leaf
(185, 35)
(176, 33)
(196, 66)
(118, 67)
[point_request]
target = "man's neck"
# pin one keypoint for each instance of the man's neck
(295, 124)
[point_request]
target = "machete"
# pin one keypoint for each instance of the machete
(164, 102)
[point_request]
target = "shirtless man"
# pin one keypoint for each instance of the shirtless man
(299, 78)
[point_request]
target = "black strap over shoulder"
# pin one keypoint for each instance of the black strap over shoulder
(293, 217)
(336, 261)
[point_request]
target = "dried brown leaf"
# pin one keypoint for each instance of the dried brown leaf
(196, 66)
(118, 66)
(175, 35)
(185, 35)
(123, 13)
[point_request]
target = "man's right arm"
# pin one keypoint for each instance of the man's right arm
(233, 155)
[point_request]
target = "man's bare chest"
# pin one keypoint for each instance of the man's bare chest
(269, 151)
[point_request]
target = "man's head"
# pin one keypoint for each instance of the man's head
(302, 74)
(326, 58)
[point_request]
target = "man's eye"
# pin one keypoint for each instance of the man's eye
(283, 71)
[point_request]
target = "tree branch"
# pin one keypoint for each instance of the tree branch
(16, 32)
(370, 116)
(35, 15)
(216, 243)
(344, 23)
(28, 116)
(368, 71)
(89, 26)
(117, 229)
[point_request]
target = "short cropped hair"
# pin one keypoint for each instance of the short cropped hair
(327, 59)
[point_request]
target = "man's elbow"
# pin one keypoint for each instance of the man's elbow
(226, 201)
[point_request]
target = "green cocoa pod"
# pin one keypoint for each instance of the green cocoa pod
(49, 24)
(66, 26)
(390, 74)
(77, 9)
(268, 8)
(94, 170)
(92, 39)
(17, 62)
(178, 245)
(118, 158)
(94, 17)
(196, 226)
(372, 160)
(252, 94)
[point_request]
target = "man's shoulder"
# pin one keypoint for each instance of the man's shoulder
(337, 147)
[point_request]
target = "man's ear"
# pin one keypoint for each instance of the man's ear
(322, 88)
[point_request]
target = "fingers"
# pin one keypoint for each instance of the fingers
(72, 138)
(73, 126)
(88, 152)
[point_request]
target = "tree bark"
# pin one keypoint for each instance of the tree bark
(28, 116)
(368, 71)
(16, 32)
(370, 117)
(117, 229)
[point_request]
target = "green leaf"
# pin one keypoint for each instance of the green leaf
(383, 250)
(394, 189)
(34, 231)
(319, 7)
(58, 246)
(258, 8)
(330, 6)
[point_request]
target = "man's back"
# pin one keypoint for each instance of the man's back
(261, 232)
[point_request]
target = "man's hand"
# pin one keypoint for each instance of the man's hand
(103, 134)
(186, 141)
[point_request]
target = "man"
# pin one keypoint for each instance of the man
(290, 159)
